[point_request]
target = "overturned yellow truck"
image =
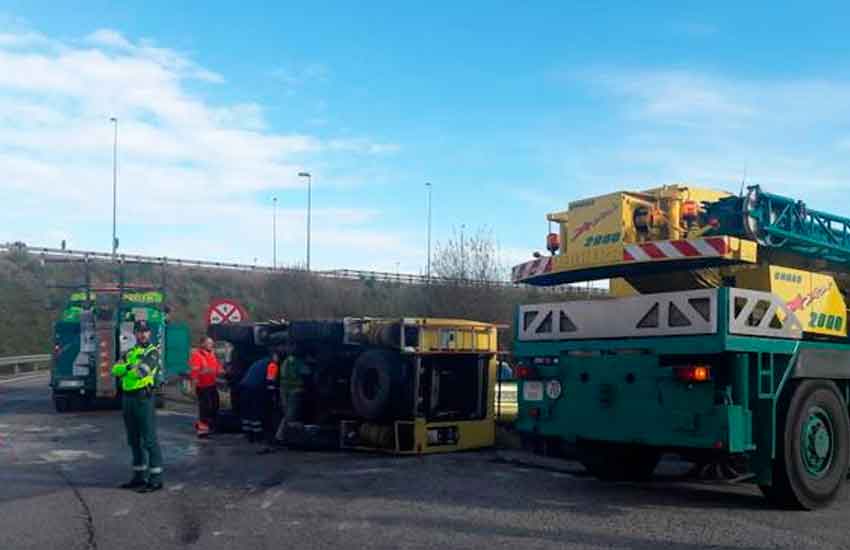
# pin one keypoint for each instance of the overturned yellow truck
(402, 385)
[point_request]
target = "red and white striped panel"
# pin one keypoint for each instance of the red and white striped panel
(531, 269)
(711, 247)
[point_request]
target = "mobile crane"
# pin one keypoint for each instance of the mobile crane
(726, 339)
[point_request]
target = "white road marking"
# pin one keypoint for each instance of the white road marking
(175, 413)
(68, 455)
(273, 496)
(120, 513)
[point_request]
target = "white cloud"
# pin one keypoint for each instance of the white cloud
(361, 145)
(109, 37)
(23, 39)
(190, 171)
(299, 75)
(680, 97)
(713, 129)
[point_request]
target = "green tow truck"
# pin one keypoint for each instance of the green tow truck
(726, 344)
(95, 330)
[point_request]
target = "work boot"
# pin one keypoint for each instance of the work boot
(150, 487)
(134, 483)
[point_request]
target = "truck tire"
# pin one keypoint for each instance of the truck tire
(61, 403)
(379, 384)
(617, 461)
(812, 446)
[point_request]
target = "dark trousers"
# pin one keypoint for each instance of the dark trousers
(251, 410)
(272, 414)
(208, 404)
(140, 423)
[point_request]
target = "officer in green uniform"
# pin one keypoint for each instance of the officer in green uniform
(292, 387)
(139, 372)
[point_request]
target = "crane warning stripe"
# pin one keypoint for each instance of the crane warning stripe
(667, 250)
(653, 251)
(718, 244)
(686, 248)
(532, 268)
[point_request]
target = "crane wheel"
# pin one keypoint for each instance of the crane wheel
(812, 446)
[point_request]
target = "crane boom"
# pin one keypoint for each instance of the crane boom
(781, 222)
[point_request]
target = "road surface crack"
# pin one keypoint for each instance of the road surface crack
(87, 518)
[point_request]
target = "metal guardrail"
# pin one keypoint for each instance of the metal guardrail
(12, 365)
(349, 274)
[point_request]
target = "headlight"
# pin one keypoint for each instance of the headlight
(553, 389)
(71, 383)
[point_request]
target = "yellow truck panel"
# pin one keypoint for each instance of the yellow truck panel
(608, 236)
(813, 297)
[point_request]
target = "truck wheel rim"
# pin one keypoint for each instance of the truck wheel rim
(816, 447)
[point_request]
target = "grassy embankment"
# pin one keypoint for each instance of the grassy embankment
(30, 301)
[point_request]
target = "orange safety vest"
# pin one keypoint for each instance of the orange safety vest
(272, 370)
(205, 368)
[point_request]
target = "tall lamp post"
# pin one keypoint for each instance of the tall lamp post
(309, 209)
(274, 232)
(428, 270)
(114, 187)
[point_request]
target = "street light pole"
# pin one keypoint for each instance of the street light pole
(428, 185)
(274, 233)
(114, 187)
(309, 209)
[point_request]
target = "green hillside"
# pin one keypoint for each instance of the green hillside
(30, 297)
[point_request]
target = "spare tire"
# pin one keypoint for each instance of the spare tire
(380, 385)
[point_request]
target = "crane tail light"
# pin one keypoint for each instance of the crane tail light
(693, 374)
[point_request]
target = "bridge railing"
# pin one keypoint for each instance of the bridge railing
(350, 274)
(18, 364)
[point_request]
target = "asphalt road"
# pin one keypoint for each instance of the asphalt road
(58, 475)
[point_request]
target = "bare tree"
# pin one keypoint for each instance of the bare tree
(472, 257)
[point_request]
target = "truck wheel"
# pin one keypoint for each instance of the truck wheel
(812, 447)
(617, 461)
(378, 384)
(61, 403)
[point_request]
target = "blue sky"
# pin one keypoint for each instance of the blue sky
(511, 109)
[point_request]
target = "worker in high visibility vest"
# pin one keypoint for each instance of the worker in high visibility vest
(139, 374)
(272, 412)
(204, 372)
(252, 390)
